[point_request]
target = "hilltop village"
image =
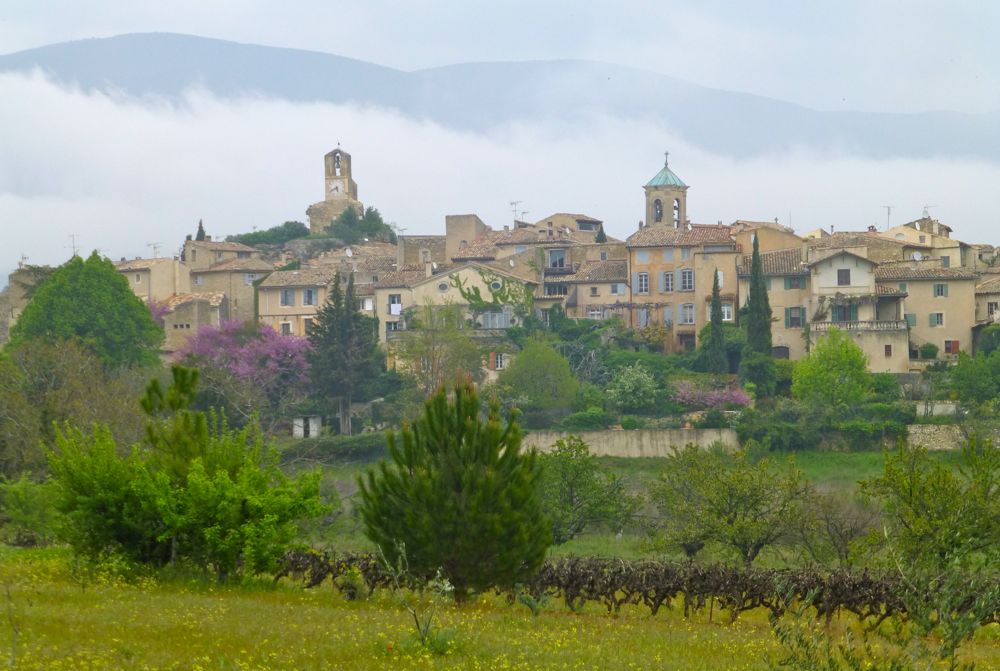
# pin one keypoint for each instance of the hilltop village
(908, 295)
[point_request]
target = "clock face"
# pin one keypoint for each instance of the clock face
(337, 188)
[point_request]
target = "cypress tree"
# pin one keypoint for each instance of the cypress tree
(601, 237)
(200, 235)
(716, 349)
(758, 307)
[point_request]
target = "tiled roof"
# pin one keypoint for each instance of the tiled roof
(306, 277)
(883, 290)
(989, 285)
(601, 271)
(482, 247)
(140, 264)
(746, 225)
(859, 239)
(214, 298)
(223, 246)
(916, 270)
(781, 262)
(376, 263)
(664, 235)
(239, 265)
(400, 278)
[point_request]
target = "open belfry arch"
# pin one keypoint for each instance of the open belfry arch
(666, 198)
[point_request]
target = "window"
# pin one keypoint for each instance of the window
(604, 256)
(595, 313)
(946, 262)
(903, 286)
(668, 281)
(396, 304)
(218, 256)
(306, 325)
(501, 360)
(687, 313)
(657, 210)
(923, 239)
(888, 351)
(951, 347)
(685, 253)
(496, 285)
(249, 279)
(720, 276)
(243, 255)
(393, 326)
(309, 297)
(668, 316)
(844, 313)
(519, 248)
(687, 280)
(593, 291)
(727, 312)
(642, 256)
(557, 258)
(287, 297)
(940, 290)
(556, 290)
(495, 319)
(643, 317)
(668, 254)
(443, 287)
(794, 282)
(368, 303)
(991, 309)
(937, 319)
(617, 289)
(286, 328)
(795, 318)
(199, 279)
(642, 283)
(138, 278)
(844, 277)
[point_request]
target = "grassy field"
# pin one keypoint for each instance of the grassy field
(62, 622)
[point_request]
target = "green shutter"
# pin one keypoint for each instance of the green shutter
(788, 315)
(911, 320)
(767, 283)
(788, 283)
(902, 286)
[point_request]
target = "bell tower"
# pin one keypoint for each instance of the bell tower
(666, 198)
(340, 192)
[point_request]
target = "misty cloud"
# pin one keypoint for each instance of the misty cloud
(122, 173)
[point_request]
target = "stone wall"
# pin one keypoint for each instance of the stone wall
(935, 437)
(638, 443)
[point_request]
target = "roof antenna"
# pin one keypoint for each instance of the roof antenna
(514, 207)
(888, 211)
(156, 249)
(927, 214)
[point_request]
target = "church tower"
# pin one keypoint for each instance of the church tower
(666, 198)
(340, 191)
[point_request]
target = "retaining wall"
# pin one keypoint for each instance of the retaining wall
(637, 443)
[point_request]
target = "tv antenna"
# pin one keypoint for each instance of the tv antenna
(72, 239)
(927, 214)
(514, 206)
(156, 249)
(888, 211)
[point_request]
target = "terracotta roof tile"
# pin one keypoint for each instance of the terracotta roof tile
(920, 270)
(239, 265)
(663, 235)
(306, 277)
(780, 262)
(214, 298)
(990, 285)
(140, 264)
(224, 246)
(400, 278)
(601, 271)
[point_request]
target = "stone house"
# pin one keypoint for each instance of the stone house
(156, 280)
(235, 278)
(203, 254)
(288, 300)
(186, 313)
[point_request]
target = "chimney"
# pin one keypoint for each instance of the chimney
(428, 268)
(872, 228)
(208, 238)
(640, 224)
(506, 227)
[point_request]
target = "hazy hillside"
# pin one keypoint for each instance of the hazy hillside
(478, 96)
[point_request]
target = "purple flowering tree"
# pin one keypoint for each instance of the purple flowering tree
(696, 397)
(248, 368)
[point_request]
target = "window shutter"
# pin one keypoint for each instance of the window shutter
(854, 313)
(788, 316)
(635, 282)
(931, 319)
(493, 361)
(668, 315)
(945, 289)
(677, 280)
(788, 283)
(662, 279)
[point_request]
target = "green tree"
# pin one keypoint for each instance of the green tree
(976, 380)
(709, 496)
(601, 236)
(90, 302)
(633, 389)
(276, 235)
(438, 349)
(715, 348)
(195, 491)
(345, 357)
(458, 496)
(540, 377)
(578, 494)
(758, 307)
(200, 235)
(351, 228)
(834, 373)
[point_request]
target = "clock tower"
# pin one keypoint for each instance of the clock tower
(340, 191)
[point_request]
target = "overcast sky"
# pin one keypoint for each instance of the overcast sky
(121, 175)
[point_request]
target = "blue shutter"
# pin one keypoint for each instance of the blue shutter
(677, 280)
(668, 315)
(662, 280)
(635, 282)
(945, 288)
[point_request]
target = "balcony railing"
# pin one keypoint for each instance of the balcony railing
(876, 325)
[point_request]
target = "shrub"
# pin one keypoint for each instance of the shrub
(460, 496)
(591, 419)
(29, 512)
(713, 419)
(631, 422)
(339, 448)
(928, 351)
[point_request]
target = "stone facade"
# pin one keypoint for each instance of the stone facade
(156, 280)
(340, 192)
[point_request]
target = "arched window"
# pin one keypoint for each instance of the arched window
(657, 210)
(336, 164)
(677, 212)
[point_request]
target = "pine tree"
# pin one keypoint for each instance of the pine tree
(758, 307)
(716, 348)
(345, 357)
(200, 235)
(458, 495)
(601, 236)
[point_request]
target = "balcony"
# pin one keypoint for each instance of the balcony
(877, 325)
